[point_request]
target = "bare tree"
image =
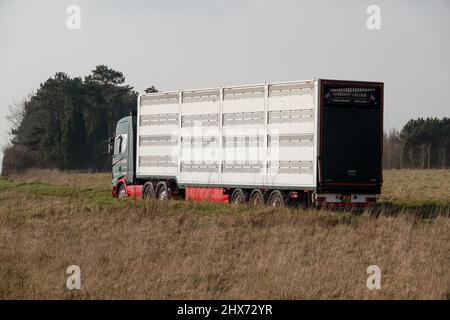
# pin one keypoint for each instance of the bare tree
(428, 147)
(393, 150)
(17, 114)
(422, 156)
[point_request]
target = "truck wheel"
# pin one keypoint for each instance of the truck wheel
(238, 196)
(276, 199)
(256, 198)
(123, 191)
(162, 192)
(149, 191)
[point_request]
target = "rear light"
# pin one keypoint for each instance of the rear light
(293, 194)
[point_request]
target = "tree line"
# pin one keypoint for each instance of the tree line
(66, 123)
(420, 144)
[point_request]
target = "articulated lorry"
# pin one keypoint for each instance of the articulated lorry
(313, 142)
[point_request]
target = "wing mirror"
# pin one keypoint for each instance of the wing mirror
(111, 146)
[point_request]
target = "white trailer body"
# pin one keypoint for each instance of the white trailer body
(250, 136)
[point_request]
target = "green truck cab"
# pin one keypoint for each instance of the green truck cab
(122, 148)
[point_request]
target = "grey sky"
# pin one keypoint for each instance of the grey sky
(199, 43)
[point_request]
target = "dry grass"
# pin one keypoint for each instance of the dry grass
(416, 186)
(64, 178)
(178, 250)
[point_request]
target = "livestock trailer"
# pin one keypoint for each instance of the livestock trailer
(315, 141)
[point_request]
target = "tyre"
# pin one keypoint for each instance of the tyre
(256, 198)
(276, 199)
(149, 191)
(122, 191)
(238, 196)
(162, 191)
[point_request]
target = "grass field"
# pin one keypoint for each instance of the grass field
(177, 250)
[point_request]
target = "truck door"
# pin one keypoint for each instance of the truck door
(351, 136)
(120, 156)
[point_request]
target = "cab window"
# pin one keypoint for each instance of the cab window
(117, 144)
(123, 143)
(120, 143)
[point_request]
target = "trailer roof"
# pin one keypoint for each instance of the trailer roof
(172, 92)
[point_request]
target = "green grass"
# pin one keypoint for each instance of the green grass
(422, 192)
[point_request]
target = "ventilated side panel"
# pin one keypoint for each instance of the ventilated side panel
(238, 136)
(291, 142)
(157, 140)
(200, 144)
(243, 147)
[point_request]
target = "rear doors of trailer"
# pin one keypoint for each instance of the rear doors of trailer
(351, 136)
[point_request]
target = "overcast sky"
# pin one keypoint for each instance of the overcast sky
(200, 43)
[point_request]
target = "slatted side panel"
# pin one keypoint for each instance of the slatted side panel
(291, 139)
(200, 144)
(249, 135)
(157, 140)
(243, 146)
